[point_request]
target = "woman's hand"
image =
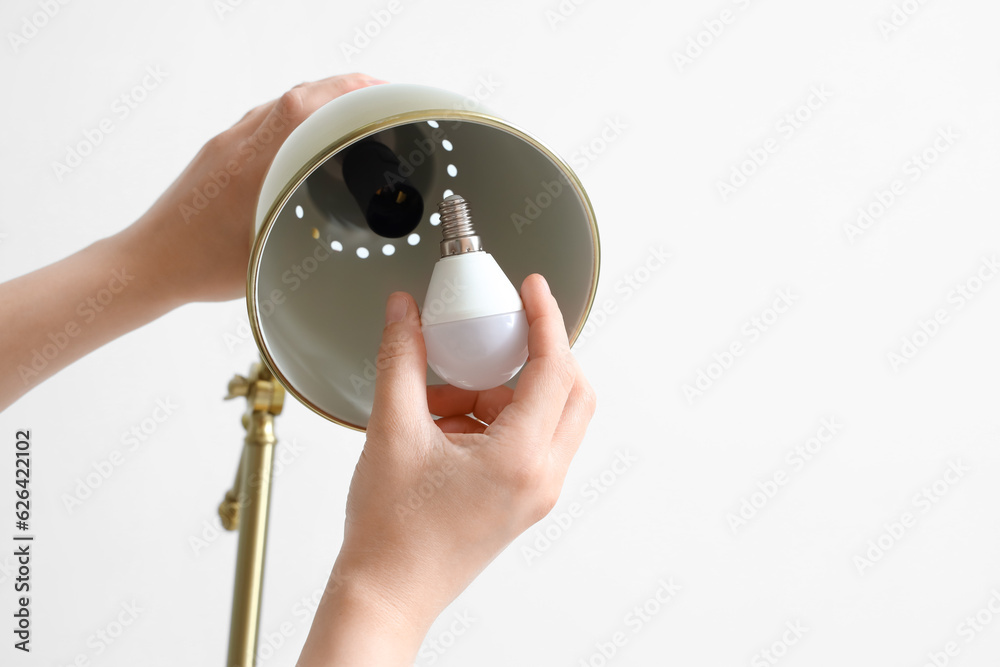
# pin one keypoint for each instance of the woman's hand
(200, 230)
(192, 245)
(433, 502)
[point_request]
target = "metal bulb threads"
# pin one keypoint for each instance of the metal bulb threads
(456, 219)
(456, 227)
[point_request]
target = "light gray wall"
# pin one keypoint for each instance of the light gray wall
(676, 132)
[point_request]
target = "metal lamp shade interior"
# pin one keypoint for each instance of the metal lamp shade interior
(347, 215)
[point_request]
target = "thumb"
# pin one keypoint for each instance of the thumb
(400, 369)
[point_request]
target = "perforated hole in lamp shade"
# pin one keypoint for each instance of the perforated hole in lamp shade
(323, 336)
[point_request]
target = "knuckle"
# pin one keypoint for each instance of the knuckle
(353, 79)
(348, 82)
(218, 141)
(219, 144)
(588, 397)
(391, 352)
(292, 104)
(547, 502)
(563, 368)
(544, 502)
(524, 477)
(530, 485)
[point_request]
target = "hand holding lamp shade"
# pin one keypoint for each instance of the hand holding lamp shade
(347, 214)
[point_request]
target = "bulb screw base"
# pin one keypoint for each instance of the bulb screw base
(456, 227)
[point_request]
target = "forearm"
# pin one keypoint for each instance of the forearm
(357, 626)
(57, 314)
(54, 316)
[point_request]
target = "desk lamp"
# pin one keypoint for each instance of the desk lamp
(393, 187)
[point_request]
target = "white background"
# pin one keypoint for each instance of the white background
(655, 185)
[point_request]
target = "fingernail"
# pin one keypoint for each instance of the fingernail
(395, 310)
(375, 82)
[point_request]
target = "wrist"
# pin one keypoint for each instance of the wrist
(135, 250)
(361, 621)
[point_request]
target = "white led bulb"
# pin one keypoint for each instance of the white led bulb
(473, 321)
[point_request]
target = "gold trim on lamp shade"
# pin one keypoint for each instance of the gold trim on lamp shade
(386, 123)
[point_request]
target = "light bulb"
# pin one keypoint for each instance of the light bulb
(473, 321)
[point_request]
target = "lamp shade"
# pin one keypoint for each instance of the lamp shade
(347, 214)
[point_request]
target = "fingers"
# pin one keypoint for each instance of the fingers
(548, 377)
(400, 371)
(276, 119)
(576, 416)
(303, 100)
(460, 424)
(445, 400)
(251, 119)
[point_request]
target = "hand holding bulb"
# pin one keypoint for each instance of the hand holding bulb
(496, 473)
(473, 321)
